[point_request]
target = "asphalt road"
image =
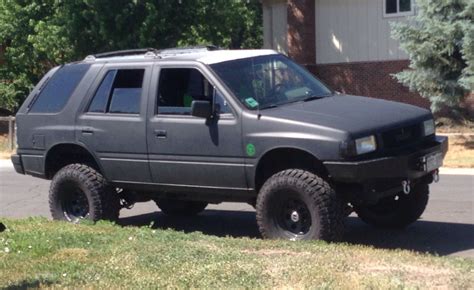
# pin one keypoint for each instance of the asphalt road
(446, 227)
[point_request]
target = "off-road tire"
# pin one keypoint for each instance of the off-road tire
(321, 203)
(391, 213)
(102, 200)
(181, 207)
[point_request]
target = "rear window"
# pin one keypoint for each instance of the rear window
(54, 96)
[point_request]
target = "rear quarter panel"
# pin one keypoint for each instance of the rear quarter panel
(38, 132)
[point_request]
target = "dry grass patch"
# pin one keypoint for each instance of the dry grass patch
(447, 125)
(5, 151)
(461, 152)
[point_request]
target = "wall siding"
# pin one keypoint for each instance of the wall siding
(353, 31)
(275, 26)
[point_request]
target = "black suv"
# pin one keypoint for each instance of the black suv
(188, 127)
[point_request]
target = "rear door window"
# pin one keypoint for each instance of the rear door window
(58, 89)
(119, 92)
(99, 103)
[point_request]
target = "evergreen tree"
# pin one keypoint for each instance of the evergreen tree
(439, 40)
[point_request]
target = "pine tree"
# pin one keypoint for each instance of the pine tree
(439, 40)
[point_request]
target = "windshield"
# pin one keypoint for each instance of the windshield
(269, 81)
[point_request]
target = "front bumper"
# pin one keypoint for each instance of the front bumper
(395, 167)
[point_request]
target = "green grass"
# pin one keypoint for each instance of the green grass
(36, 252)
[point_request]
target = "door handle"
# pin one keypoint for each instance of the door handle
(160, 133)
(87, 131)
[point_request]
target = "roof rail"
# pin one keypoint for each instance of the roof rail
(138, 51)
(153, 52)
(186, 49)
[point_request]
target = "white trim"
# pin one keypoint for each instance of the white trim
(398, 13)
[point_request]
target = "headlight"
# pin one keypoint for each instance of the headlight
(428, 127)
(365, 145)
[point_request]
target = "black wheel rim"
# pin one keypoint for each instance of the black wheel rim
(75, 204)
(293, 217)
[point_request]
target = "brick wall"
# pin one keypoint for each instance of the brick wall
(301, 33)
(372, 79)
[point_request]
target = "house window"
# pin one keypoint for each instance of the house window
(393, 8)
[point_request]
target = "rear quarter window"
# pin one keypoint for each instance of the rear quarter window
(58, 89)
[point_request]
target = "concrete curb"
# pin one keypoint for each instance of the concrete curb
(456, 171)
(455, 134)
(6, 163)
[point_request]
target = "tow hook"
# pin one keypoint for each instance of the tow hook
(436, 175)
(406, 186)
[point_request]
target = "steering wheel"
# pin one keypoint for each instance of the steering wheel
(278, 92)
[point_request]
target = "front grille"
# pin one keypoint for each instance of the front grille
(402, 137)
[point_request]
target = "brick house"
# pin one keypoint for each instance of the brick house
(346, 43)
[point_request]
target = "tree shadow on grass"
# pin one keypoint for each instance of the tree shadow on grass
(423, 236)
(30, 284)
(219, 223)
(440, 238)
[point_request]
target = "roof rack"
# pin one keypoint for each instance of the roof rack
(153, 52)
(149, 51)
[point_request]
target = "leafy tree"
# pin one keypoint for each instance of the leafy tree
(439, 40)
(40, 34)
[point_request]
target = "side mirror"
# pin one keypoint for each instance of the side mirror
(201, 109)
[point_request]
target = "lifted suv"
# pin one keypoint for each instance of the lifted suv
(188, 127)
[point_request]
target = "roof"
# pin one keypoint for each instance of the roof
(206, 57)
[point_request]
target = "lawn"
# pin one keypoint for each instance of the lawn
(36, 252)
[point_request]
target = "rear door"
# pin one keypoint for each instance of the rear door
(187, 151)
(112, 123)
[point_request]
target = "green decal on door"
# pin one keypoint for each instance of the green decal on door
(250, 149)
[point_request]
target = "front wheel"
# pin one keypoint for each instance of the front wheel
(397, 211)
(298, 205)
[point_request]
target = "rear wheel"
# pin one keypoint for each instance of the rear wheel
(181, 207)
(79, 192)
(397, 211)
(298, 205)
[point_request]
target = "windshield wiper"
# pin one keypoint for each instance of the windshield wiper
(268, 107)
(311, 98)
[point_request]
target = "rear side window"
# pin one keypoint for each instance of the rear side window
(57, 91)
(119, 92)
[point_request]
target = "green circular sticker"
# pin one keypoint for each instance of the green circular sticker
(250, 149)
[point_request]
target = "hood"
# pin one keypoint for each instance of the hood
(356, 115)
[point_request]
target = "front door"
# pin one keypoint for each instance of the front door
(190, 152)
